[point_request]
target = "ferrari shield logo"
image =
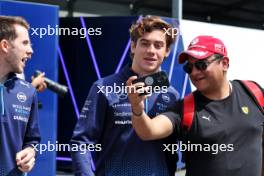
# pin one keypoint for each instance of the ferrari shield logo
(245, 109)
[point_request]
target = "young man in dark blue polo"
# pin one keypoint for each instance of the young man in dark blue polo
(105, 120)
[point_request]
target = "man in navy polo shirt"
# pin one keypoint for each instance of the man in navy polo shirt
(105, 120)
(19, 130)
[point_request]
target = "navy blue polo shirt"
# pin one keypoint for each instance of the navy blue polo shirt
(106, 120)
(19, 122)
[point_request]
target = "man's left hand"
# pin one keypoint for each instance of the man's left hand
(26, 159)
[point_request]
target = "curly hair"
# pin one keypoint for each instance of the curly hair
(148, 24)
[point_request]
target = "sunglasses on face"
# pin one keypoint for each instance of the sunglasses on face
(199, 65)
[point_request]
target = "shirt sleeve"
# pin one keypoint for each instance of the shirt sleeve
(32, 136)
(174, 92)
(88, 130)
(173, 114)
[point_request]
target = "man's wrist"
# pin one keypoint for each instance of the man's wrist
(30, 147)
(136, 113)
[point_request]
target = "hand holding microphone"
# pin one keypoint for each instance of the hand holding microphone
(39, 82)
(52, 85)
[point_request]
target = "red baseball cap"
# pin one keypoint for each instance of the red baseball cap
(202, 47)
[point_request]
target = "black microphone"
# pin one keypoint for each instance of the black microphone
(53, 86)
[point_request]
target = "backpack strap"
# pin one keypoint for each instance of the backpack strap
(189, 106)
(188, 111)
(255, 91)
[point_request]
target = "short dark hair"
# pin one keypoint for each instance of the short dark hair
(7, 29)
(219, 56)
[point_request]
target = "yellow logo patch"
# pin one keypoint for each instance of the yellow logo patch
(245, 109)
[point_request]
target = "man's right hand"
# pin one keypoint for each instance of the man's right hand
(146, 128)
(39, 82)
(134, 91)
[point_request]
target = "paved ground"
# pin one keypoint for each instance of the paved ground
(180, 173)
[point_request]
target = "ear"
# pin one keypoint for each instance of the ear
(4, 45)
(225, 62)
(133, 47)
(167, 52)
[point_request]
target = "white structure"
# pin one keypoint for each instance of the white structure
(244, 47)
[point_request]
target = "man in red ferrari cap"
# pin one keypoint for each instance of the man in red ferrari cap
(224, 137)
(203, 47)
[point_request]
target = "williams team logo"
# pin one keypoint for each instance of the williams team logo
(165, 98)
(21, 96)
(245, 110)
